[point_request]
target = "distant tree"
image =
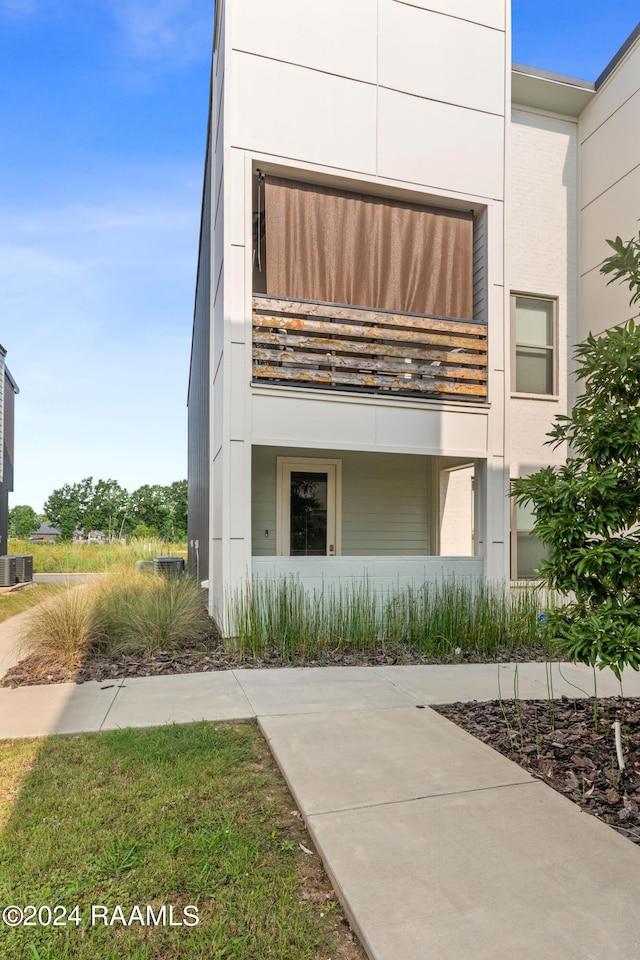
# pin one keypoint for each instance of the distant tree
(67, 522)
(163, 508)
(146, 506)
(177, 510)
(23, 521)
(87, 506)
(143, 532)
(66, 506)
(106, 508)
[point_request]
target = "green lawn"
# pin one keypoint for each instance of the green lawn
(181, 815)
(19, 600)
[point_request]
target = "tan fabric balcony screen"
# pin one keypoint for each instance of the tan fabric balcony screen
(339, 247)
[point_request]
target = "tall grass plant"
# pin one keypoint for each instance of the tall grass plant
(444, 620)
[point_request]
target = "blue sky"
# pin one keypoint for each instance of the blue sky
(102, 124)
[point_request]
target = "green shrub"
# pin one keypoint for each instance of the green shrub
(587, 512)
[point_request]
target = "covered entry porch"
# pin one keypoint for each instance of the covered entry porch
(328, 517)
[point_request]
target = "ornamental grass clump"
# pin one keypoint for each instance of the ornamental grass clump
(61, 630)
(116, 614)
(141, 613)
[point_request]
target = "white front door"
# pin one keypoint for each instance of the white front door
(308, 508)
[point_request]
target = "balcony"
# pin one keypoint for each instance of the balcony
(333, 347)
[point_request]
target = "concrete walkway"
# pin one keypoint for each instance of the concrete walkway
(10, 643)
(439, 848)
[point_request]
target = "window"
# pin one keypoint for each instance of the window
(533, 332)
(526, 549)
(308, 507)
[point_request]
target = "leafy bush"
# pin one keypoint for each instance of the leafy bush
(588, 511)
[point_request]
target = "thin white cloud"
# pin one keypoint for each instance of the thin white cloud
(17, 9)
(91, 218)
(96, 301)
(15, 260)
(155, 29)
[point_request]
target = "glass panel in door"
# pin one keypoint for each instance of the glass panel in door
(308, 506)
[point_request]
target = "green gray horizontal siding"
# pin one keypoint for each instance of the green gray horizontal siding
(385, 502)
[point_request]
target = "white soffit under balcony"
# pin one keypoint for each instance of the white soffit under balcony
(442, 146)
(334, 36)
(284, 110)
(612, 151)
(441, 58)
(489, 12)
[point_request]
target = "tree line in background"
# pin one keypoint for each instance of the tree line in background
(105, 506)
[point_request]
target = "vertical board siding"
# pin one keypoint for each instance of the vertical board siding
(8, 417)
(6, 457)
(2, 391)
(385, 502)
(480, 313)
(198, 402)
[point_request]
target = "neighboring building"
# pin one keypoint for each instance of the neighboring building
(8, 391)
(389, 287)
(94, 536)
(45, 534)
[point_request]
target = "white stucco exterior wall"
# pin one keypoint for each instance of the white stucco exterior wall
(342, 92)
(456, 512)
(610, 189)
(542, 245)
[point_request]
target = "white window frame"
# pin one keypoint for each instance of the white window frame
(552, 347)
(333, 468)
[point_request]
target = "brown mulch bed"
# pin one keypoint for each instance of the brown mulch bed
(561, 743)
(201, 658)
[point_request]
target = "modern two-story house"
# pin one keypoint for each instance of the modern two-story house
(8, 391)
(399, 246)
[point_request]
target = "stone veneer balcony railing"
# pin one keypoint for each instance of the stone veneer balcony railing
(333, 347)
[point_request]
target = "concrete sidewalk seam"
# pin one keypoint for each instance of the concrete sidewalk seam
(426, 796)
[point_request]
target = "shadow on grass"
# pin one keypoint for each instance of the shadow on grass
(179, 817)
